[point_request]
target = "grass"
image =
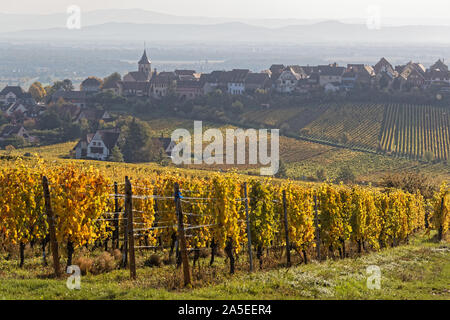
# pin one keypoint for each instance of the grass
(419, 270)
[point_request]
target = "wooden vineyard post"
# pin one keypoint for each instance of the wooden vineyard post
(182, 236)
(116, 217)
(130, 235)
(316, 221)
(286, 231)
(51, 226)
(125, 233)
(249, 233)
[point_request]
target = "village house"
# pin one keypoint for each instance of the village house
(411, 75)
(91, 85)
(255, 81)
(136, 88)
(308, 84)
(438, 75)
(211, 81)
(385, 74)
(25, 110)
(93, 116)
(13, 94)
(275, 71)
(235, 80)
(97, 146)
(188, 89)
(164, 144)
(162, 83)
(365, 74)
(288, 79)
(112, 87)
(330, 74)
(10, 131)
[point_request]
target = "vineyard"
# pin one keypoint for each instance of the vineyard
(351, 125)
(411, 131)
(416, 132)
(182, 214)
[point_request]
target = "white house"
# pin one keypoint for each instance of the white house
(288, 79)
(97, 146)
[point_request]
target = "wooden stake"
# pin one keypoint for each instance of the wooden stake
(51, 226)
(249, 233)
(116, 217)
(182, 236)
(129, 213)
(125, 234)
(286, 231)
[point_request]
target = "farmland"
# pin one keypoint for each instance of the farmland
(410, 131)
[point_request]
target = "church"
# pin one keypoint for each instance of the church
(144, 73)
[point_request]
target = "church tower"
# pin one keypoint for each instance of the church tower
(145, 65)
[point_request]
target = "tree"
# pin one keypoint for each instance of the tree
(116, 155)
(136, 138)
(65, 85)
(282, 172)
(111, 79)
(92, 77)
(346, 175)
(37, 91)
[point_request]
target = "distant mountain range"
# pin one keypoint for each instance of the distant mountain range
(141, 25)
(19, 22)
(331, 32)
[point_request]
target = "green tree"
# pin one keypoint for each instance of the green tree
(282, 171)
(346, 175)
(111, 79)
(116, 155)
(136, 138)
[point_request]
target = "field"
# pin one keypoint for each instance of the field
(420, 270)
(411, 131)
(414, 131)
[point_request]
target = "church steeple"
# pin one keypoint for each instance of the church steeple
(145, 65)
(144, 59)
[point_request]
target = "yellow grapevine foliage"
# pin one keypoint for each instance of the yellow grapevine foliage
(300, 212)
(262, 213)
(21, 204)
(335, 213)
(144, 210)
(213, 208)
(79, 198)
(228, 210)
(441, 205)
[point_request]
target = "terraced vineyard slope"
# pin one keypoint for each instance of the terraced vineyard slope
(417, 132)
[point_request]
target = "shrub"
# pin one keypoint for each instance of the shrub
(85, 264)
(153, 261)
(103, 263)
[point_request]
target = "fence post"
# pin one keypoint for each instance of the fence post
(125, 225)
(316, 221)
(116, 217)
(129, 211)
(182, 236)
(51, 225)
(249, 233)
(286, 230)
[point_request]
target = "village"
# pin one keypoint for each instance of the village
(19, 107)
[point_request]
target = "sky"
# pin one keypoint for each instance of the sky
(301, 9)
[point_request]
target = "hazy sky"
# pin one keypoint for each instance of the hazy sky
(330, 9)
